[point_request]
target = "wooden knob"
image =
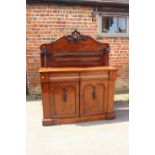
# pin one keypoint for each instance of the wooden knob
(43, 77)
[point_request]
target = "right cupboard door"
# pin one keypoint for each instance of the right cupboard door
(93, 97)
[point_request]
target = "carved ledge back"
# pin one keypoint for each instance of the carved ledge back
(74, 50)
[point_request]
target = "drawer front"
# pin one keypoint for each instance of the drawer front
(94, 75)
(60, 77)
(70, 77)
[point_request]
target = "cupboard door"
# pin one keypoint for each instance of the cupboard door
(93, 97)
(64, 99)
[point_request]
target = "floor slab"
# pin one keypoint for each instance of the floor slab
(107, 137)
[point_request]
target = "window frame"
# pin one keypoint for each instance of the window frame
(101, 34)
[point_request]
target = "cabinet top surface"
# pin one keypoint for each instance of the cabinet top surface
(76, 69)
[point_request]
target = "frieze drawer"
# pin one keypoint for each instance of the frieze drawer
(58, 77)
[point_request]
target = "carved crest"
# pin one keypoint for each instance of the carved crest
(76, 36)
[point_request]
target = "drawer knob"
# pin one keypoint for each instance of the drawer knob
(43, 77)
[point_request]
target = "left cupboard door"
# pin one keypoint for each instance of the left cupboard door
(64, 99)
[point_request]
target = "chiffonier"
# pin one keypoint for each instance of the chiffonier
(77, 82)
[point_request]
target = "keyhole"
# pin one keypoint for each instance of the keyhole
(94, 94)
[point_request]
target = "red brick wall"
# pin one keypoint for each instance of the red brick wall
(48, 22)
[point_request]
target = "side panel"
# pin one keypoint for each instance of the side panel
(45, 100)
(112, 77)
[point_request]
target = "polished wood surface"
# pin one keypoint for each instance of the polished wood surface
(64, 99)
(93, 97)
(76, 69)
(74, 50)
(78, 92)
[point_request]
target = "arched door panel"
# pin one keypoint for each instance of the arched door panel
(93, 97)
(64, 99)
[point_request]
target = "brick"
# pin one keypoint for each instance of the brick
(48, 22)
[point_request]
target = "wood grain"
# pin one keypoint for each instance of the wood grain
(77, 83)
(74, 50)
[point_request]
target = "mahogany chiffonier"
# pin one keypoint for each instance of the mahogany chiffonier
(76, 80)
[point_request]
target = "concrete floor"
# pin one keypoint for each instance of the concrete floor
(90, 138)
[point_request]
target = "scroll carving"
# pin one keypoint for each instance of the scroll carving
(76, 36)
